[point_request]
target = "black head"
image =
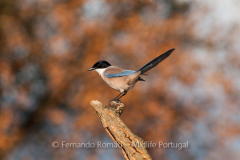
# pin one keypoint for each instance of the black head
(100, 65)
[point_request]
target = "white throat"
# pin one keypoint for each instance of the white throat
(100, 71)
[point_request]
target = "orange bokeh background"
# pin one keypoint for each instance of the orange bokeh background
(46, 48)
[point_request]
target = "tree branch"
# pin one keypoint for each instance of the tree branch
(131, 145)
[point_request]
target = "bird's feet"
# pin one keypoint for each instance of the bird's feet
(116, 100)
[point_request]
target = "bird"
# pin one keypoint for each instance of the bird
(124, 80)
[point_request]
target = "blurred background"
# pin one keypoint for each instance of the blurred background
(46, 48)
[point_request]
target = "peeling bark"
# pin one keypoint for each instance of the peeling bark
(131, 145)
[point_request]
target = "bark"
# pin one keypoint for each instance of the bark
(131, 145)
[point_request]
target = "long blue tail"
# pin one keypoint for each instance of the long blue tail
(155, 62)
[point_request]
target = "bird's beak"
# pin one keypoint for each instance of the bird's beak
(90, 69)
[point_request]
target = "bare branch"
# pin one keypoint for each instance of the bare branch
(131, 145)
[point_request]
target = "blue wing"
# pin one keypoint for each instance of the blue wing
(121, 74)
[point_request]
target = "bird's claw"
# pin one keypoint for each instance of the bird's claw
(116, 100)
